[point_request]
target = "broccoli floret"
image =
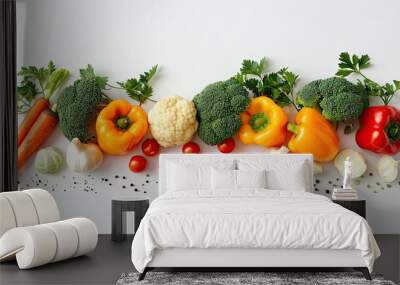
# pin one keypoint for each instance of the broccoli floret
(218, 110)
(342, 107)
(77, 108)
(338, 99)
(309, 96)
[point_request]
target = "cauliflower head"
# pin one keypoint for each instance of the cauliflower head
(173, 121)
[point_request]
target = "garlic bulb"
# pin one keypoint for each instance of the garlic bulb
(83, 157)
(388, 168)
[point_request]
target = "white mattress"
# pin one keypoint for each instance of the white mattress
(257, 219)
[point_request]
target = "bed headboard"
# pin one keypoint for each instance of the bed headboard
(164, 158)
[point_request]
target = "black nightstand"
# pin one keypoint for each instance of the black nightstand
(357, 206)
(119, 206)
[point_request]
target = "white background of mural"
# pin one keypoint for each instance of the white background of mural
(197, 43)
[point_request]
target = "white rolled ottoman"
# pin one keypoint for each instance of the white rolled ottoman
(31, 232)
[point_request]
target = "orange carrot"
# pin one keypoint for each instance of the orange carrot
(37, 135)
(30, 118)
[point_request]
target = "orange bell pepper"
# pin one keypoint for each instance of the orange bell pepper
(120, 126)
(313, 134)
(263, 123)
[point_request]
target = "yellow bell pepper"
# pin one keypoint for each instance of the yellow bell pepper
(120, 126)
(263, 123)
(313, 134)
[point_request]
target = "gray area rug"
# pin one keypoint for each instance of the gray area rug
(243, 278)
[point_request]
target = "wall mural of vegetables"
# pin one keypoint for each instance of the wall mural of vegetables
(252, 106)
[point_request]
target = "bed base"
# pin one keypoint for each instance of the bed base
(250, 259)
(363, 270)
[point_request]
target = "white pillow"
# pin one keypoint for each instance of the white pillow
(227, 179)
(281, 175)
(182, 177)
(293, 179)
(223, 179)
(193, 175)
(251, 179)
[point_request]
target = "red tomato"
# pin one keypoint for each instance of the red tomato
(191, 147)
(150, 147)
(137, 163)
(227, 146)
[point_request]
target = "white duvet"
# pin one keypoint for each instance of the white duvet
(250, 219)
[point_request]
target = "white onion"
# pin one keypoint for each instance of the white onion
(358, 163)
(388, 168)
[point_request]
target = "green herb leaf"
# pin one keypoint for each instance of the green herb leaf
(253, 85)
(140, 89)
(364, 61)
(345, 61)
(289, 77)
(148, 75)
(40, 74)
(26, 93)
(353, 63)
(51, 67)
(344, 72)
(283, 100)
(276, 85)
(251, 67)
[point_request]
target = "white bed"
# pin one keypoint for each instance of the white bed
(248, 227)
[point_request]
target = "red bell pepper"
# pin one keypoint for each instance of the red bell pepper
(380, 130)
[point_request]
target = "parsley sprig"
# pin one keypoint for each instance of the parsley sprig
(278, 85)
(139, 89)
(38, 81)
(355, 64)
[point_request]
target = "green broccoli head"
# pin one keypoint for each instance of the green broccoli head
(338, 99)
(309, 96)
(218, 110)
(77, 109)
(335, 85)
(344, 106)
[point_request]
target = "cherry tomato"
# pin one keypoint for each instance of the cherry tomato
(137, 163)
(227, 146)
(191, 147)
(150, 147)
